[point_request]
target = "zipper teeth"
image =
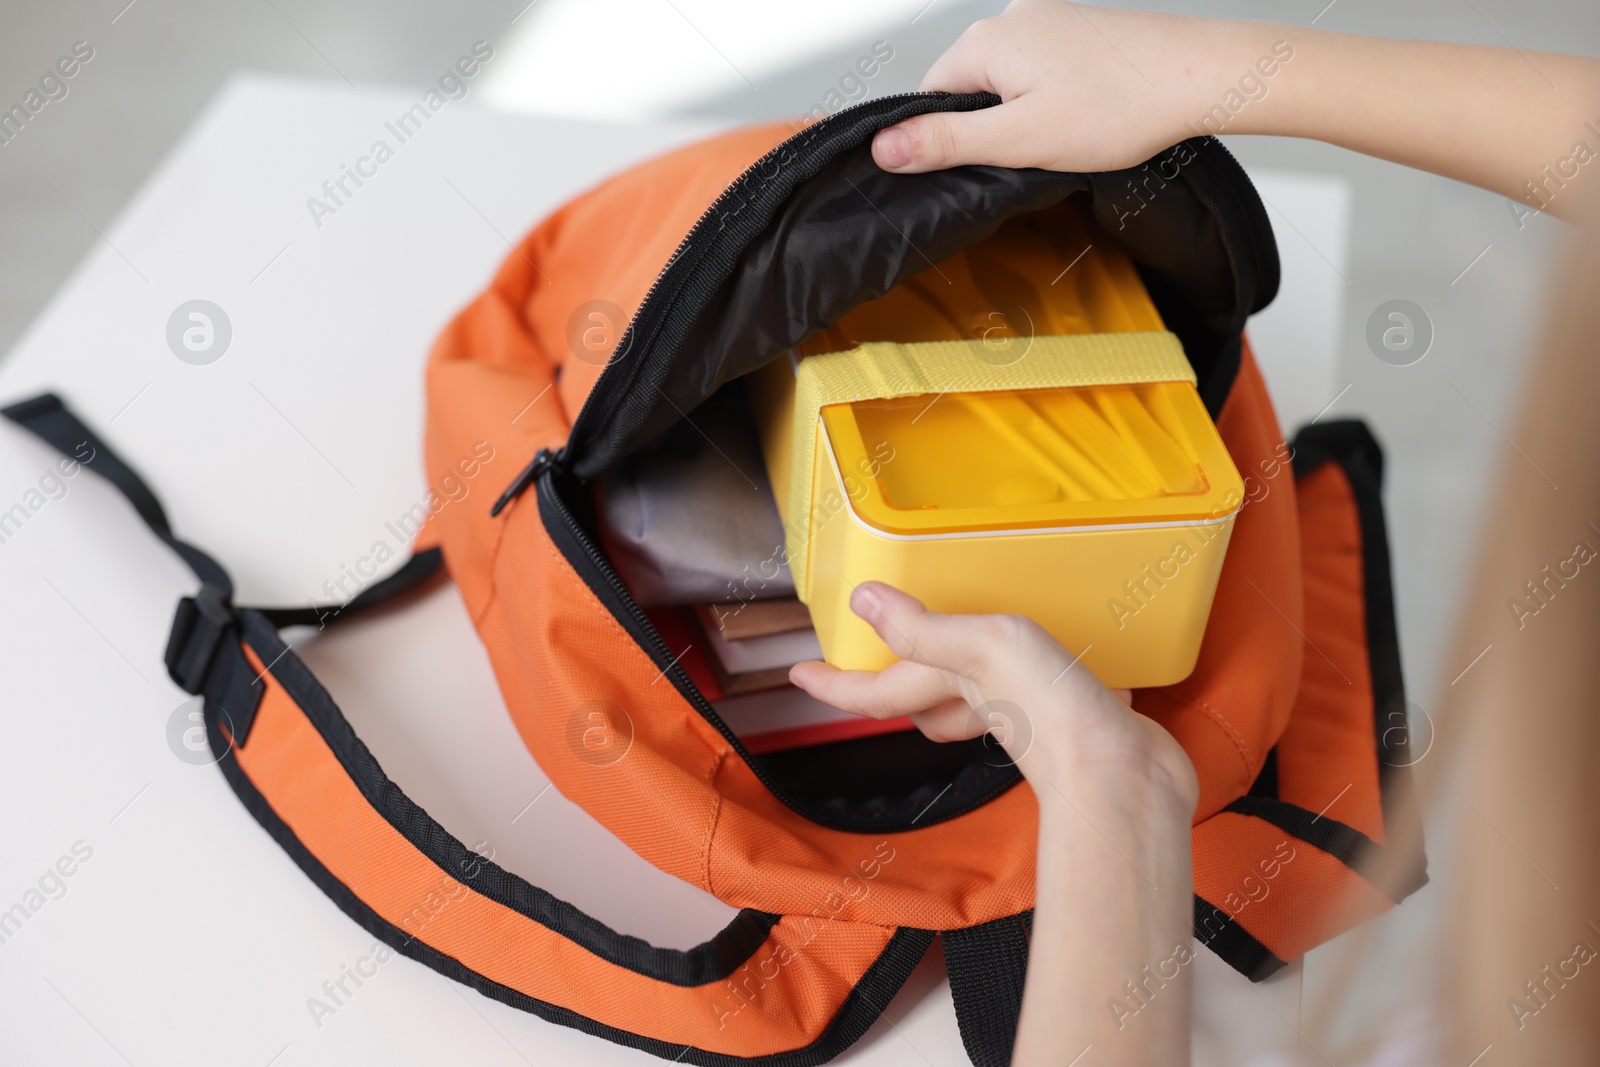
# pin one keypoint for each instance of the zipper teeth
(685, 685)
(561, 456)
(1238, 198)
(627, 338)
(739, 182)
(675, 668)
(545, 485)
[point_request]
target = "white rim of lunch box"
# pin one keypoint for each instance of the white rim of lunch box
(833, 460)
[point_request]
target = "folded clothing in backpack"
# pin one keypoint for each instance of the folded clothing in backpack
(692, 520)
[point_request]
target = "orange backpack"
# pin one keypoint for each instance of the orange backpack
(847, 859)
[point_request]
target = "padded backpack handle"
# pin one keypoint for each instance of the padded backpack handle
(769, 989)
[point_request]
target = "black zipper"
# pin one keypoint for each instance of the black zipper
(648, 314)
(659, 300)
(542, 460)
(713, 245)
(547, 465)
(610, 398)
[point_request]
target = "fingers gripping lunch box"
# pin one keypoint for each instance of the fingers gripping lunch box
(845, 860)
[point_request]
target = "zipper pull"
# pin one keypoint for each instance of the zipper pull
(542, 461)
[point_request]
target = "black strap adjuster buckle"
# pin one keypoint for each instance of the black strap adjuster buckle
(198, 629)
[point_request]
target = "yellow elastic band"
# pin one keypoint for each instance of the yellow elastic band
(882, 370)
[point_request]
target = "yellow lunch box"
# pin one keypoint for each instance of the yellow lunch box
(1075, 478)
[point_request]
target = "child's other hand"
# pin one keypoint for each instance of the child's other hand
(1083, 88)
(961, 676)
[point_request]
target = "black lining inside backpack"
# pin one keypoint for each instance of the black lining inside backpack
(816, 228)
(1214, 929)
(892, 781)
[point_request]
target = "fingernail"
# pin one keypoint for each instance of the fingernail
(865, 603)
(893, 148)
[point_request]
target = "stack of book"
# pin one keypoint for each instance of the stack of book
(739, 656)
(754, 644)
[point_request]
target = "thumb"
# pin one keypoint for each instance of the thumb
(952, 138)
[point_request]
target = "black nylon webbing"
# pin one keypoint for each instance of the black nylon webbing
(48, 418)
(418, 568)
(988, 964)
(203, 654)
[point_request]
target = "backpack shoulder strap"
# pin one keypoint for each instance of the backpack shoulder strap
(771, 989)
(988, 965)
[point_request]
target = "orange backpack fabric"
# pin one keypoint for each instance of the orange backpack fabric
(1288, 715)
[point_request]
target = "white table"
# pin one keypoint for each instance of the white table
(188, 937)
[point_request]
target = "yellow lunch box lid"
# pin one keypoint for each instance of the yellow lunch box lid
(1031, 459)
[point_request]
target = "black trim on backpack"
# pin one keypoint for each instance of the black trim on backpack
(860, 1009)
(1350, 444)
(972, 787)
(713, 961)
(1340, 840)
(1217, 930)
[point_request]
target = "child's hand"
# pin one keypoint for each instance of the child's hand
(1116, 796)
(963, 675)
(1098, 88)
(1084, 88)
